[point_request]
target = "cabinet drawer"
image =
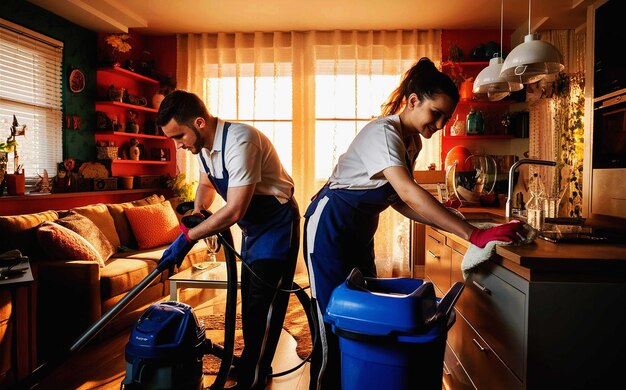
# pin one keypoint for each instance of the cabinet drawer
(454, 375)
(497, 311)
(483, 366)
(456, 274)
(437, 260)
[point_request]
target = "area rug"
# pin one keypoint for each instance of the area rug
(295, 324)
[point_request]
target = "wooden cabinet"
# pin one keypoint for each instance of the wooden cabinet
(550, 330)
(124, 95)
(437, 260)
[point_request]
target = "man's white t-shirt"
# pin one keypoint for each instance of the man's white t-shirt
(379, 145)
(250, 159)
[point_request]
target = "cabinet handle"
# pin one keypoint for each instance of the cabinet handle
(482, 349)
(433, 255)
(481, 287)
(434, 239)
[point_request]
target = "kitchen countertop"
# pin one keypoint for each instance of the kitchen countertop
(546, 260)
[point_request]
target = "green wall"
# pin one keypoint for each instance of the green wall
(79, 52)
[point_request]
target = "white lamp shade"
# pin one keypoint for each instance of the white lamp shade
(531, 61)
(490, 85)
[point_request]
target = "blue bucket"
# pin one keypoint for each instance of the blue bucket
(392, 332)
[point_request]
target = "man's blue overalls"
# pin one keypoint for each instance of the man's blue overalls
(270, 243)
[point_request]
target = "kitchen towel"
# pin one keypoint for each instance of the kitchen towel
(475, 255)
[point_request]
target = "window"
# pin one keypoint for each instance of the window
(310, 92)
(30, 89)
(262, 101)
(345, 101)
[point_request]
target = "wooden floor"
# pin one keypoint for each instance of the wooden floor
(101, 365)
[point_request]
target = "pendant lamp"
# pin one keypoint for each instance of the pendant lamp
(532, 60)
(488, 83)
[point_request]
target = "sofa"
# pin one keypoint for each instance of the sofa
(87, 258)
(7, 363)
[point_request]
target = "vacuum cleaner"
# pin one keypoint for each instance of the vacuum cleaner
(167, 343)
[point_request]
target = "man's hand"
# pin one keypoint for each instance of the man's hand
(177, 251)
(509, 232)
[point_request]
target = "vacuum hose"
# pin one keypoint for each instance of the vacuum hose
(230, 313)
(226, 239)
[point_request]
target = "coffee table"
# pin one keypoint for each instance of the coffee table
(212, 277)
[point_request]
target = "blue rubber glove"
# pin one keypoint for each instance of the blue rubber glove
(176, 252)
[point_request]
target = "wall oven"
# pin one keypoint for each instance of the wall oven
(608, 188)
(608, 179)
(609, 131)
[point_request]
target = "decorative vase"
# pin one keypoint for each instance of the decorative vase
(466, 89)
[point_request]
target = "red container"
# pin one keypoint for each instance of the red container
(16, 184)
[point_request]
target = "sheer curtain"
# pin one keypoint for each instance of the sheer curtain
(556, 124)
(310, 92)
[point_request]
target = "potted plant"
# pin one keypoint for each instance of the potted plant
(118, 45)
(183, 190)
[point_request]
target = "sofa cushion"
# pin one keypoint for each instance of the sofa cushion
(6, 305)
(62, 243)
(197, 254)
(99, 214)
(127, 239)
(153, 225)
(90, 232)
(20, 232)
(122, 274)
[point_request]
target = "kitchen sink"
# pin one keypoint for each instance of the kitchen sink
(581, 234)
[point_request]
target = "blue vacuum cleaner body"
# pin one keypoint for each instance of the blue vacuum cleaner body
(165, 349)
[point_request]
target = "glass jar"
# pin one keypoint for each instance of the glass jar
(470, 121)
(480, 123)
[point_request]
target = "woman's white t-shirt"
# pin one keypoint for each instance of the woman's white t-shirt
(379, 145)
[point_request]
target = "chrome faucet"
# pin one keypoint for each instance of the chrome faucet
(523, 161)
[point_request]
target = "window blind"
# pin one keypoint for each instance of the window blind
(30, 89)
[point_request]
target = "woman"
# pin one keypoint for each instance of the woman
(375, 172)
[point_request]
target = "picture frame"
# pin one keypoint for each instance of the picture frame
(76, 81)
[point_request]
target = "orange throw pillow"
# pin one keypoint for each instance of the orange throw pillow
(121, 222)
(64, 244)
(153, 225)
(90, 232)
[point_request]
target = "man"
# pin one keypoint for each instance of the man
(241, 164)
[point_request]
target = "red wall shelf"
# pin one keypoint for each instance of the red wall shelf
(126, 105)
(142, 162)
(124, 72)
(479, 137)
(140, 86)
(132, 135)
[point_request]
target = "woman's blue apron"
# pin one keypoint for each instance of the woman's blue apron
(267, 224)
(344, 238)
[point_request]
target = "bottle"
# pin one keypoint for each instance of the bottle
(480, 123)
(458, 127)
(470, 121)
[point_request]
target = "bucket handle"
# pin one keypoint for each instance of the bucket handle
(447, 303)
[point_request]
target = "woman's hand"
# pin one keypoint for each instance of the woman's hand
(509, 232)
